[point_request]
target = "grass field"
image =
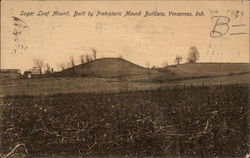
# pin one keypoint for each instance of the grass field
(207, 69)
(48, 86)
(193, 122)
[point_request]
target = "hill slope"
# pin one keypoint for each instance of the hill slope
(110, 68)
(122, 69)
(205, 70)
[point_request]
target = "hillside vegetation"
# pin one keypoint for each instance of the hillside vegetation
(110, 68)
(119, 68)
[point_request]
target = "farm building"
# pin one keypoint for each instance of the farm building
(33, 73)
(10, 73)
(27, 74)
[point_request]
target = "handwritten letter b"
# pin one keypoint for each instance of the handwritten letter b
(221, 26)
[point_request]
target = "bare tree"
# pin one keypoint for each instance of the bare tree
(178, 59)
(193, 55)
(94, 53)
(48, 68)
(72, 64)
(39, 65)
(88, 58)
(82, 60)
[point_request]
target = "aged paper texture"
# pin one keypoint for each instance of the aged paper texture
(124, 79)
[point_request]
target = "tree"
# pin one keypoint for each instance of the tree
(72, 61)
(39, 65)
(88, 58)
(48, 68)
(193, 55)
(178, 59)
(82, 60)
(72, 64)
(94, 53)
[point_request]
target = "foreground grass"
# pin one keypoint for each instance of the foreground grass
(197, 121)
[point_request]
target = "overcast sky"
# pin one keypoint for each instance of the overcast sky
(138, 39)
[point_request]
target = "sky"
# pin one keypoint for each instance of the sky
(139, 39)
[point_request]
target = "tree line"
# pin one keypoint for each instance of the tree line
(193, 57)
(47, 69)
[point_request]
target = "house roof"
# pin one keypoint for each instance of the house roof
(27, 72)
(10, 70)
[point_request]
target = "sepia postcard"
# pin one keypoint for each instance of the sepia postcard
(124, 78)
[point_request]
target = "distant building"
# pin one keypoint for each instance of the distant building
(36, 71)
(27, 74)
(33, 73)
(10, 73)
